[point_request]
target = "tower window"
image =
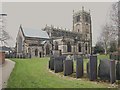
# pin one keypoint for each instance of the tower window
(78, 30)
(78, 18)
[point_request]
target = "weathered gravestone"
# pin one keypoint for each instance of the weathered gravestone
(112, 71)
(87, 67)
(93, 67)
(56, 53)
(51, 62)
(58, 64)
(118, 71)
(79, 67)
(104, 69)
(68, 67)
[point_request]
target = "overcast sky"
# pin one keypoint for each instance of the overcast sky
(37, 15)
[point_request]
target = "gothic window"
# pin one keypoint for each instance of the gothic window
(79, 47)
(20, 46)
(86, 18)
(78, 27)
(29, 50)
(78, 18)
(56, 45)
(86, 47)
(36, 52)
(68, 47)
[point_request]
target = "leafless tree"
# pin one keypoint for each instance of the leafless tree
(4, 35)
(110, 31)
(105, 37)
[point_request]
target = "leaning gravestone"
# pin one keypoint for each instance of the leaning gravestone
(118, 71)
(112, 71)
(79, 67)
(51, 62)
(92, 67)
(104, 69)
(68, 67)
(58, 64)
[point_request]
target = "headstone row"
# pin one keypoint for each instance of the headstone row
(107, 69)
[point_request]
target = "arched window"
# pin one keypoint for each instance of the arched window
(20, 44)
(86, 47)
(29, 50)
(56, 45)
(79, 47)
(36, 52)
(68, 47)
(78, 28)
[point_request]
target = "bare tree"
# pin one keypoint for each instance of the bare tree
(4, 36)
(105, 37)
(110, 31)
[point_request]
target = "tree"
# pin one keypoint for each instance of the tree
(98, 48)
(110, 31)
(113, 46)
(4, 36)
(105, 37)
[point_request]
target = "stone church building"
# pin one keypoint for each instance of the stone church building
(39, 43)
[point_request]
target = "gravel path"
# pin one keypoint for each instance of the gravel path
(5, 71)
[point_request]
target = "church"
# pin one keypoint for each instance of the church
(40, 43)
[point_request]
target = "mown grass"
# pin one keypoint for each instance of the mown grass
(34, 73)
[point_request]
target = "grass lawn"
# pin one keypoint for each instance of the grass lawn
(34, 73)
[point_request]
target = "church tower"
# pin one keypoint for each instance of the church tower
(82, 25)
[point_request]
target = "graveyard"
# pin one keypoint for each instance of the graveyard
(35, 73)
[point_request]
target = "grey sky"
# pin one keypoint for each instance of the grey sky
(37, 15)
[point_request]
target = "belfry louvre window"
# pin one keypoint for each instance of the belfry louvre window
(78, 18)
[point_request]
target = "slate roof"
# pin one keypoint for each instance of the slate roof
(4, 48)
(28, 32)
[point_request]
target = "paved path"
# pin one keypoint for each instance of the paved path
(5, 71)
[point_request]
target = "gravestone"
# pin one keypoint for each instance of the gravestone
(56, 53)
(118, 71)
(58, 64)
(104, 69)
(79, 67)
(51, 62)
(88, 69)
(112, 71)
(68, 67)
(93, 67)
